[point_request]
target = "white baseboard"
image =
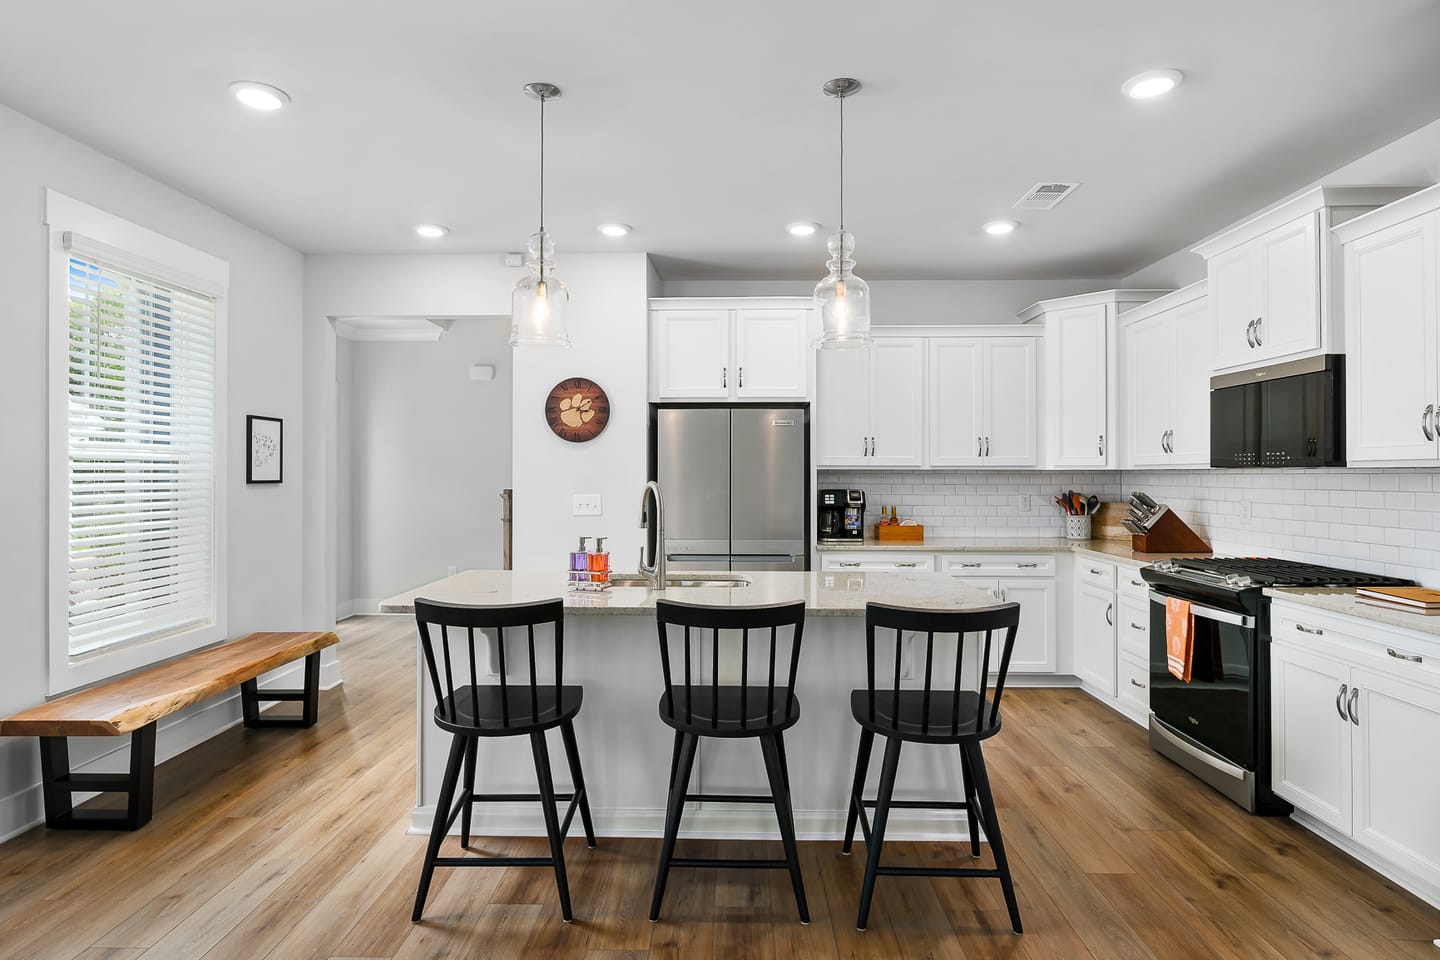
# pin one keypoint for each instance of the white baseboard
(175, 734)
(344, 611)
(1421, 888)
(369, 607)
(706, 821)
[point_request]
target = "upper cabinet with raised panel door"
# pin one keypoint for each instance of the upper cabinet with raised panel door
(740, 349)
(982, 398)
(1080, 382)
(1166, 347)
(1273, 278)
(870, 404)
(1392, 331)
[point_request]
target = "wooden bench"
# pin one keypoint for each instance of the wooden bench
(134, 703)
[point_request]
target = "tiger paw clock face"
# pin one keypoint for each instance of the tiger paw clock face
(577, 410)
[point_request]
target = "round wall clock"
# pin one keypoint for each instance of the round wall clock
(577, 409)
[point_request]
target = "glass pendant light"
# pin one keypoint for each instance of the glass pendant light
(537, 307)
(842, 299)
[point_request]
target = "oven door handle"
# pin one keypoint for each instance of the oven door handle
(1194, 750)
(1210, 613)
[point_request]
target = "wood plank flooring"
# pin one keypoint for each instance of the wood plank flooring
(290, 844)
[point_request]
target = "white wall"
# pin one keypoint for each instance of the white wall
(914, 301)
(428, 454)
(265, 372)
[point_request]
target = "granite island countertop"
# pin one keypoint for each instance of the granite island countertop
(825, 593)
(1111, 549)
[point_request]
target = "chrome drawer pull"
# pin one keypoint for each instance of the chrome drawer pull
(1311, 630)
(912, 563)
(1027, 566)
(968, 565)
(1340, 702)
(1136, 683)
(1135, 626)
(849, 563)
(1137, 583)
(1098, 573)
(1413, 658)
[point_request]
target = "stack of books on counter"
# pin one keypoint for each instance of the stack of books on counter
(1418, 600)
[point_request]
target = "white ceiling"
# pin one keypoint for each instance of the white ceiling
(705, 128)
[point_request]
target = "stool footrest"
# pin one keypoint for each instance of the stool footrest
(494, 862)
(530, 797)
(921, 804)
(729, 798)
(729, 863)
(935, 872)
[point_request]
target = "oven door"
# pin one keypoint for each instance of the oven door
(1217, 707)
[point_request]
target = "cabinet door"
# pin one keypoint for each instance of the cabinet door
(841, 422)
(772, 353)
(1234, 286)
(1289, 259)
(1010, 402)
(1190, 369)
(897, 402)
(1035, 638)
(1309, 734)
(1390, 339)
(1149, 389)
(1095, 639)
(1077, 348)
(956, 406)
(692, 354)
(1397, 792)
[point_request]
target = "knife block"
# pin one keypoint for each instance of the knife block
(1169, 534)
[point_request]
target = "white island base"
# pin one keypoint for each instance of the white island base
(612, 649)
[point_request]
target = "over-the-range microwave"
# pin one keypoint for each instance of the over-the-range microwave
(1284, 415)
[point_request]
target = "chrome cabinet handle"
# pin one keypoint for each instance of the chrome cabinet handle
(979, 446)
(1027, 566)
(1135, 626)
(1425, 421)
(912, 563)
(987, 446)
(848, 563)
(969, 564)
(1350, 706)
(1136, 683)
(1412, 658)
(741, 372)
(1096, 572)
(1108, 611)
(1137, 583)
(1249, 331)
(1259, 325)
(1311, 630)
(1340, 702)
(724, 376)
(1100, 445)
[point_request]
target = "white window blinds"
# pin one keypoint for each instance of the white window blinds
(141, 450)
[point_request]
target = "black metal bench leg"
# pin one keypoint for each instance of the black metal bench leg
(441, 822)
(968, 776)
(142, 776)
(679, 784)
(60, 784)
(992, 832)
(251, 696)
(54, 771)
(877, 829)
(862, 767)
(775, 769)
(552, 820)
(577, 777)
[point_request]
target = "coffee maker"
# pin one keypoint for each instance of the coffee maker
(842, 516)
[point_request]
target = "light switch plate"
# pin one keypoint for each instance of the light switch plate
(585, 505)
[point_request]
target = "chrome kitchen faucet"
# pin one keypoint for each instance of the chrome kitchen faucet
(652, 514)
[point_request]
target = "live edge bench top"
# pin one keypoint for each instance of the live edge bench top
(129, 703)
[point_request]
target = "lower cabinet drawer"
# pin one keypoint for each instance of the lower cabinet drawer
(1133, 690)
(1132, 627)
(1130, 585)
(907, 563)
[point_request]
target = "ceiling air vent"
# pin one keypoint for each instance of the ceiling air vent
(1044, 196)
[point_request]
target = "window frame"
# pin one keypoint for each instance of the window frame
(120, 243)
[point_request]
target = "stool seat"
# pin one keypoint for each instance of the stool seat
(494, 711)
(949, 716)
(730, 711)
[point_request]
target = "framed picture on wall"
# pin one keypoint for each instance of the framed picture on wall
(264, 449)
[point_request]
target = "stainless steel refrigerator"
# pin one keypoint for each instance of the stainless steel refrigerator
(736, 486)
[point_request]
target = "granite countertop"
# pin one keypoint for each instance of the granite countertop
(824, 593)
(1343, 601)
(1111, 549)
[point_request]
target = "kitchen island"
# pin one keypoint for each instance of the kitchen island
(612, 649)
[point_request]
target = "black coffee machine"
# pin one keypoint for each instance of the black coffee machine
(842, 516)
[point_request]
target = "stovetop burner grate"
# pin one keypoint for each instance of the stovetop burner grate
(1267, 572)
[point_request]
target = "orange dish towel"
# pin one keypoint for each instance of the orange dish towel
(1179, 638)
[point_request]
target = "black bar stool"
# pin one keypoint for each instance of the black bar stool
(697, 709)
(965, 717)
(506, 709)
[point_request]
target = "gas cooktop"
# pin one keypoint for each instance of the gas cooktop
(1242, 573)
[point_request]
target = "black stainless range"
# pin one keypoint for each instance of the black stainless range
(1217, 726)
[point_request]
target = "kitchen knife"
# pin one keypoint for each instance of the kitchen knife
(1133, 527)
(1144, 500)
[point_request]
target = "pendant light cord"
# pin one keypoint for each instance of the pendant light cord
(542, 188)
(841, 98)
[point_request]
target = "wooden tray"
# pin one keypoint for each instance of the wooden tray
(896, 534)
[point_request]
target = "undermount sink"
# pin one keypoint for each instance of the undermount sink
(638, 580)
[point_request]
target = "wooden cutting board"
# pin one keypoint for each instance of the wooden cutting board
(1105, 524)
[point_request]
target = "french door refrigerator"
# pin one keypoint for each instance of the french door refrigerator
(735, 480)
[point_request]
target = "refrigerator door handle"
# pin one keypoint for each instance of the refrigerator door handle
(764, 557)
(697, 557)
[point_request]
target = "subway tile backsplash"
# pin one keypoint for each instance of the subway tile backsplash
(1383, 521)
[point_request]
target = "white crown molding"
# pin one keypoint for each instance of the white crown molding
(1287, 211)
(1118, 297)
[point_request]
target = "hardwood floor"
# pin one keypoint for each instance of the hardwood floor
(291, 844)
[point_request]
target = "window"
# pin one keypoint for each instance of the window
(136, 459)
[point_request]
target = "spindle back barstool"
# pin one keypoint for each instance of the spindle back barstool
(469, 710)
(934, 715)
(696, 707)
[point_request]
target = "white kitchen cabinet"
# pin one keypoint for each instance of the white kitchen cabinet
(1035, 648)
(870, 405)
(1392, 332)
(1310, 733)
(982, 402)
(1080, 385)
(703, 349)
(1272, 278)
(1166, 345)
(1095, 639)
(1109, 654)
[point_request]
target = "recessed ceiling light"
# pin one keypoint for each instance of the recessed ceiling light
(259, 96)
(615, 229)
(803, 228)
(431, 231)
(999, 228)
(1151, 84)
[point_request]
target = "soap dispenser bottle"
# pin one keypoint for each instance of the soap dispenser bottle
(580, 563)
(600, 563)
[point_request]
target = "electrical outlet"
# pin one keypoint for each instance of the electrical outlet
(1027, 502)
(1247, 511)
(585, 505)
